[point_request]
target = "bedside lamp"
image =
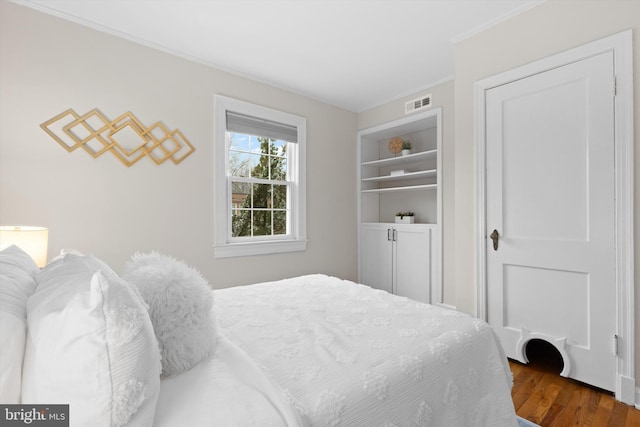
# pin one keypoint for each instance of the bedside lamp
(32, 240)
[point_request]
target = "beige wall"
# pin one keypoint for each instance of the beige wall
(549, 28)
(99, 206)
(443, 96)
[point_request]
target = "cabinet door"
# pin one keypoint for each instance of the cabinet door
(412, 260)
(376, 256)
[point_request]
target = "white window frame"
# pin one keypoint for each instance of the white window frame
(296, 239)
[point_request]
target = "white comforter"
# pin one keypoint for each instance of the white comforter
(326, 352)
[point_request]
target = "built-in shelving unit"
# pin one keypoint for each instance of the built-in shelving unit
(389, 183)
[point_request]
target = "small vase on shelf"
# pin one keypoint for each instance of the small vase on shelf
(404, 218)
(406, 148)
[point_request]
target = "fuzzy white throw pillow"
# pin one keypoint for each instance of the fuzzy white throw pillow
(180, 306)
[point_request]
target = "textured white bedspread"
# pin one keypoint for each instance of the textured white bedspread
(339, 353)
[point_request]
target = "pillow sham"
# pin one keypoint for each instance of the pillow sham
(17, 283)
(180, 306)
(90, 344)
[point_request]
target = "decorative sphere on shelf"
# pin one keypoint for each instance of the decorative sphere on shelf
(395, 144)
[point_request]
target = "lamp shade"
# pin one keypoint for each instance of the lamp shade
(32, 240)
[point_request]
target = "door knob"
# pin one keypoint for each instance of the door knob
(494, 236)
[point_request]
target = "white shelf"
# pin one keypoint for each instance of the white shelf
(401, 160)
(408, 175)
(404, 188)
(395, 224)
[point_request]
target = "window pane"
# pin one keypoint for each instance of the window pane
(255, 144)
(239, 164)
(261, 195)
(257, 171)
(240, 195)
(238, 141)
(280, 222)
(278, 148)
(261, 147)
(261, 223)
(241, 223)
(260, 166)
(280, 197)
(278, 168)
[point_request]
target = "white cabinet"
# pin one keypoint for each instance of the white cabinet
(397, 259)
(401, 258)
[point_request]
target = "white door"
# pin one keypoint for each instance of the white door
(550, 198)
(376, 256)
(412, 261)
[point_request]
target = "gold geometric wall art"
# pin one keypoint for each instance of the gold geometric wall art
(125, 137)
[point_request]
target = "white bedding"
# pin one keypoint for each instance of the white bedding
(317, 350)
(227, 389)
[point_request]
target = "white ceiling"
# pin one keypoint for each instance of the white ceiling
(355, 54)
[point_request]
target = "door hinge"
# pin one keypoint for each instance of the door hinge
(615, 345)
(615, 86)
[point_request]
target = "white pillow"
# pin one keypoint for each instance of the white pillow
(17, 283)
(180, 305)
(90, 344)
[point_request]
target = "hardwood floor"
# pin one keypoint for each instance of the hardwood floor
(542, 396)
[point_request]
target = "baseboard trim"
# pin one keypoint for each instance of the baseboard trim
(626, 390)
(638, 398)
(443, 305)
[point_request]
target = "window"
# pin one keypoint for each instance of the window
(259, 179)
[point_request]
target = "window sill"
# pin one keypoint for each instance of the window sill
(258, 248)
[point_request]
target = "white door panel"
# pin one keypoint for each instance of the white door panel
(413, 262)
(538, 151)
(376, 257)
(550, 189)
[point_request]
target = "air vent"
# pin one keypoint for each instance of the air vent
(417, 104)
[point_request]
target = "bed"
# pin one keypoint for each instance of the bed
(313, 350)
